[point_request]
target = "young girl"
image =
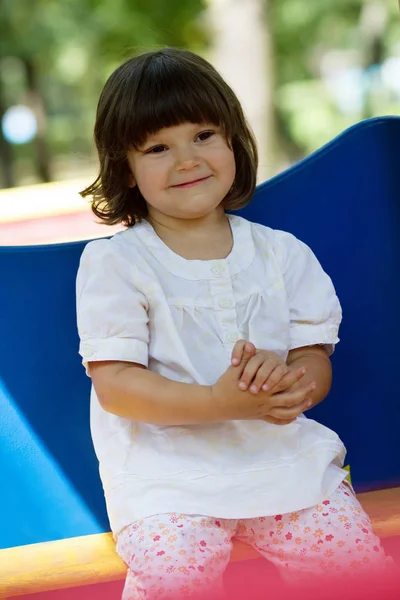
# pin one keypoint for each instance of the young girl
(206, 338)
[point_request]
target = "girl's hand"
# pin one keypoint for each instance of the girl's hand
(278, 407)
(261, 369)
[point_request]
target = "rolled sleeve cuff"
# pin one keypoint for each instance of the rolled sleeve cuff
(309, 335)
(125, 350)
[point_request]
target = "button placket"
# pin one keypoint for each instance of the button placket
(225, 311)
(225, 302)
(218, 270)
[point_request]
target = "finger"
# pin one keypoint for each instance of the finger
(263, 375)
(242, 351)
(293, 398)
(275, 377)
(249, 371)
(291, 412)
(289, 379)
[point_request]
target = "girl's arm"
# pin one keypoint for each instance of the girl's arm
(319, 369)
(131, 391)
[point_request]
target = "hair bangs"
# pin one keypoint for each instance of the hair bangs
(171, 96)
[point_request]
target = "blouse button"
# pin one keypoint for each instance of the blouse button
(217, 270)
(225, 303)
(232, 337)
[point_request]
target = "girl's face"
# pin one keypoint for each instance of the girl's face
(183, 172)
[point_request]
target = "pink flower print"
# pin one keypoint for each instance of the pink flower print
(172, 539)
(156, 538)
(179, 526)
(160, 553)
(355, 564)
(318, 533)
(281, 554)
(261, 519)
(329, 538)
(364, 530)
(174, 519)
(294, 516)
(203, 543)
(170, 569)
(365, 559)
(329, 553)
(297, 540)
(358, 540)
(288, 536)
(200, 568)
(278, 518)
(326, 502)
(307, 529)
(320, 542)
(347, 525)
(218, 524)
(184, 589)
(271, 533)
(340, 543)
(275, 540)
(325, 514)
(376, 548)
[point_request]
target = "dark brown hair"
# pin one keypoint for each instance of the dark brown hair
(151, 91)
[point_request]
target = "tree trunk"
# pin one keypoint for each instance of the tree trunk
(6, 153)
(373, 21)
(242, 51)
(35, 101)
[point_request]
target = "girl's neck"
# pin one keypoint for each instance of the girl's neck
(206, 239)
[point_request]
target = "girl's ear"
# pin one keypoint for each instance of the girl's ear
(131, 181)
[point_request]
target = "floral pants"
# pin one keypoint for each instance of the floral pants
(172, 556)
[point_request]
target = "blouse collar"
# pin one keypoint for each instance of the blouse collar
(239, 258)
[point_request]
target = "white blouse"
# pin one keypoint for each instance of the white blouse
(138, 301)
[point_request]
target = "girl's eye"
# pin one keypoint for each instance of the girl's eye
(155, 150)
(205, 135)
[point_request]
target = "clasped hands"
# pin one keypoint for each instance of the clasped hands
(260, 385)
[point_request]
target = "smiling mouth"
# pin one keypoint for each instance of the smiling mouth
(191, 183)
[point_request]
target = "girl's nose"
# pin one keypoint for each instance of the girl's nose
(186, 159)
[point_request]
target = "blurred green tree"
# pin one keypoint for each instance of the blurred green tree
(55, 56)
(64, 51)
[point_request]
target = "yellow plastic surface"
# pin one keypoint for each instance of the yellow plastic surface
(92, 559)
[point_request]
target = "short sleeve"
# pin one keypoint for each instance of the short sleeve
(112, 312)
(314, 308)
